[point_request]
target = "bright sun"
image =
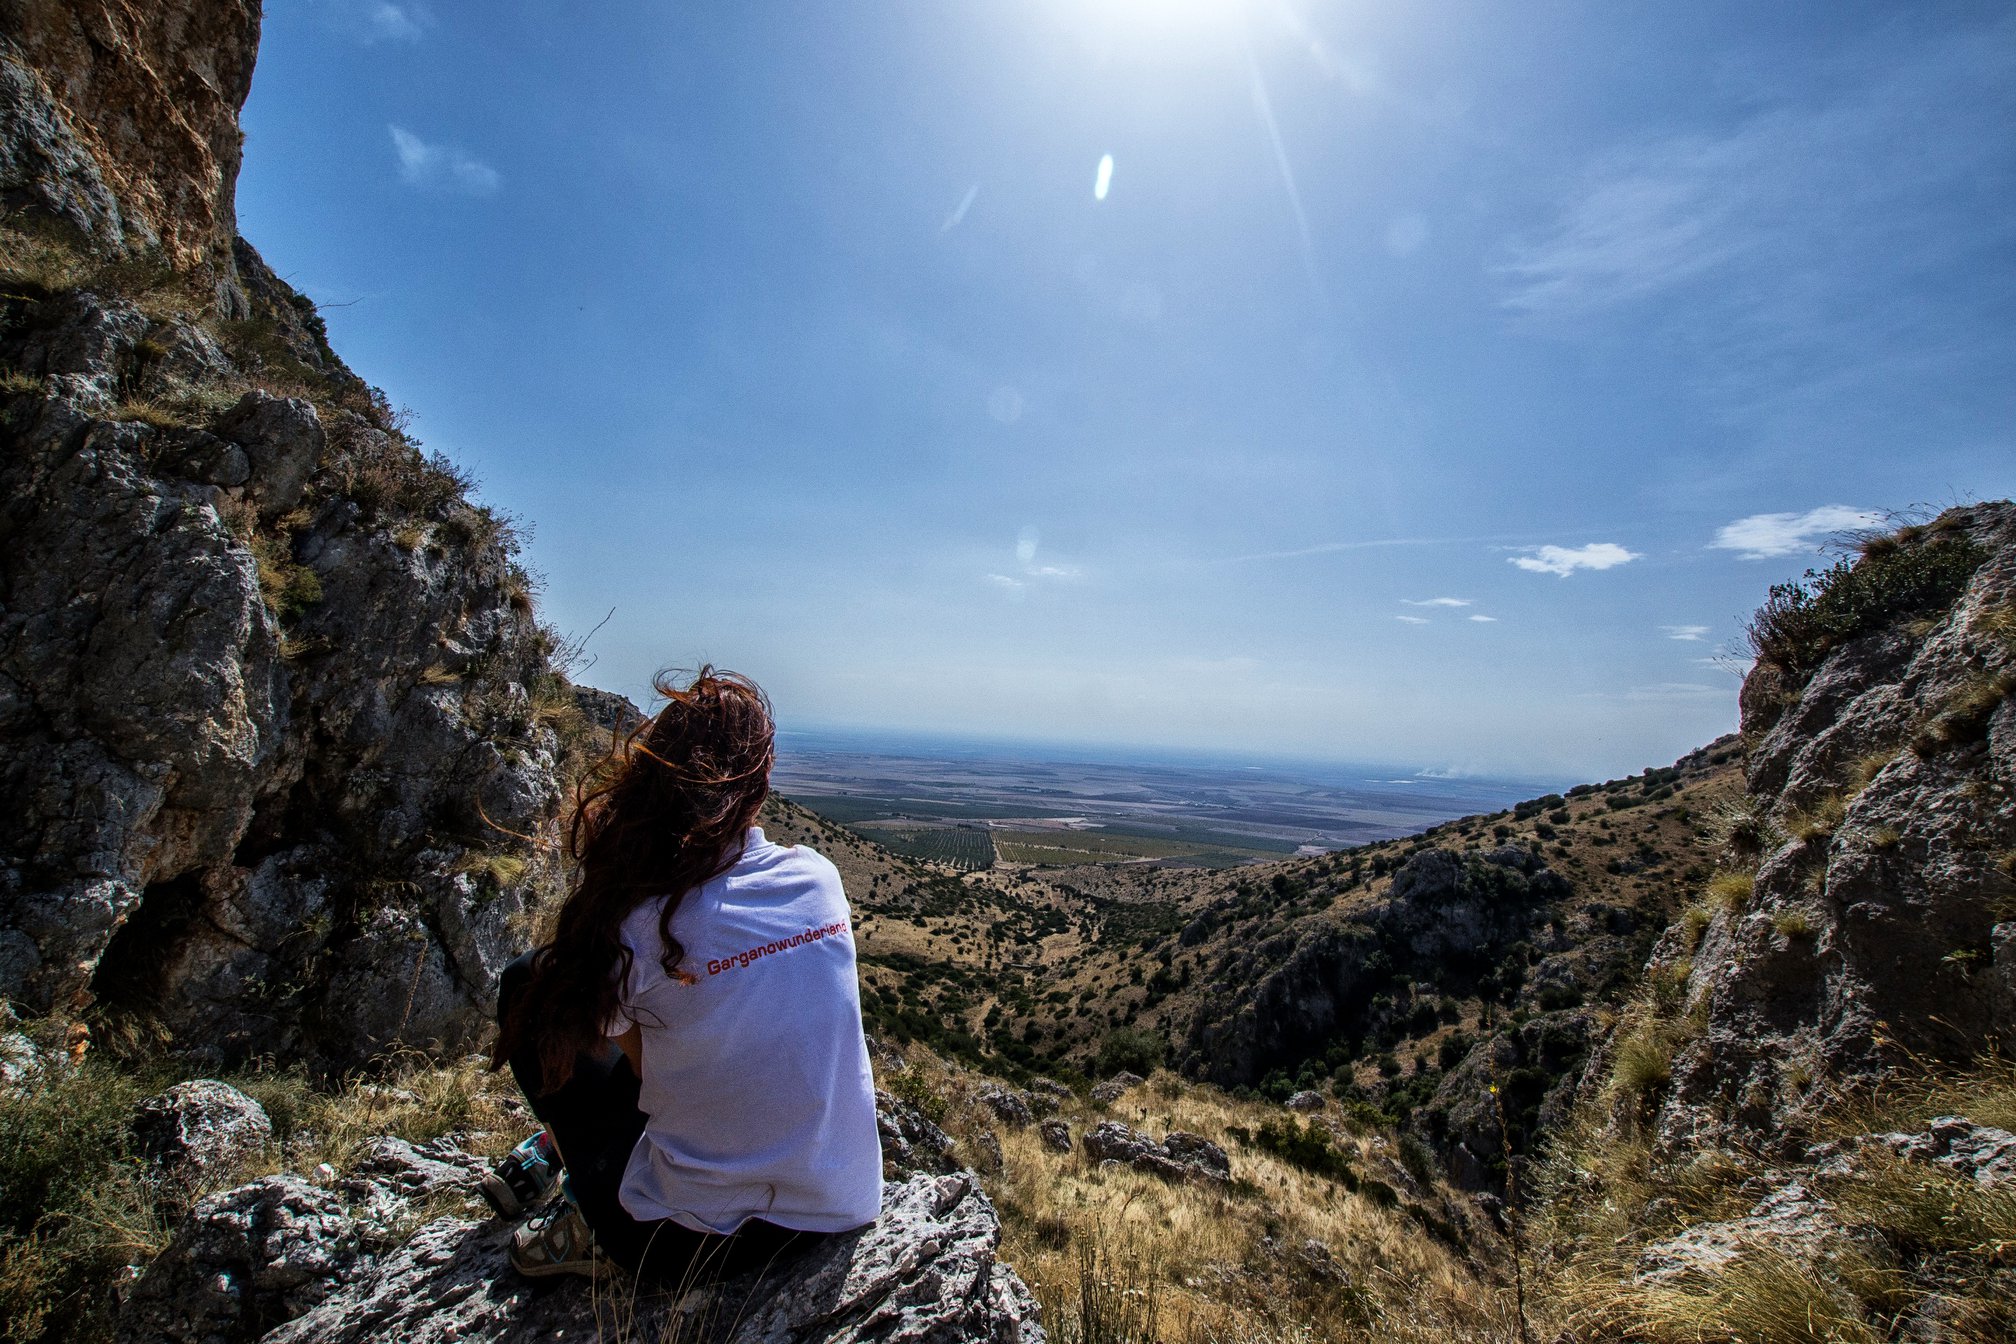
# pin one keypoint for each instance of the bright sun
(1159, 16)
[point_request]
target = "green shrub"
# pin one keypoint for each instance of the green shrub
(74, 1206)
(1132, 1049)
(1310, 1148)
(1803, 621)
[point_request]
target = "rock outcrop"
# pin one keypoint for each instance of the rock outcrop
(1446, 916)
(1880, 829)
(278, 713)
(119, 118)
(283, 1259)
(1180, 1156)
(198, 1127)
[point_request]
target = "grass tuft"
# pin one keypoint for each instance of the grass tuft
(1963, 715)
(1817, 823)
(1731, 890)
(1793, 924)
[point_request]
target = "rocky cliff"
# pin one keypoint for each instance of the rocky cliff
(120, 119)
(278, 712)
(1864, 918)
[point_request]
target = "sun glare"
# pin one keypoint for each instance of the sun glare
(1149, 18)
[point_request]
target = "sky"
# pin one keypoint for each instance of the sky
(1433, 384)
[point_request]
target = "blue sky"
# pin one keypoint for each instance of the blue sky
(1435, 384)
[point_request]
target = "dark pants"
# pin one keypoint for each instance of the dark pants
(593, 1118)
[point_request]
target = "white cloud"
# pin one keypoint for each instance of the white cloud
(1768, 232)
(1675, 690)
(1767, 536)
(1025, 560)
(1565, 560)
(1436, 601)
(379, 20)
(442, 167)
(1412, 620)
(1690, 633)
(1489, 620)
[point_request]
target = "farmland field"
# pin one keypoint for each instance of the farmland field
(967, 848)
(1070, 846)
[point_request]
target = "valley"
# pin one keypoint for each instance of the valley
(971, 806)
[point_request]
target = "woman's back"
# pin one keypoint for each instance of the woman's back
(755, 1074)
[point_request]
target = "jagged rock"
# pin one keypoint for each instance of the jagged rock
(1179, 1157)
(1893, 878)
(1305, 1101)
(80, 75)
(263, 671)
(1312, 1258)
(1050, 1087)
(1055, 1134)
(1198, 1153)
(196, 1129)
(1114, 1088)
(282, 442)
(1010, 1107)
(241, 1263)
(1982, 1154)
(390, 1176)
(988, 1144)
(1791, 1221)
(910, 1141)
(925, 1272)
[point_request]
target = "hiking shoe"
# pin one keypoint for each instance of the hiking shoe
(521, 1178)
(556, 1240)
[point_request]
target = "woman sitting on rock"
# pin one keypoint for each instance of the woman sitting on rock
(691, 1037)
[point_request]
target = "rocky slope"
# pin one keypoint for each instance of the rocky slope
(1867, 915)
(276, 704)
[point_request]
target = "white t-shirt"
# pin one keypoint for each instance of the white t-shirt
(756, 1076)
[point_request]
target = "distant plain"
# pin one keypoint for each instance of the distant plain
(970, 805)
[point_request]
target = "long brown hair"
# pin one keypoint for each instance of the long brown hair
(666, 812)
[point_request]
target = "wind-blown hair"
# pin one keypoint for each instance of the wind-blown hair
(667, 811)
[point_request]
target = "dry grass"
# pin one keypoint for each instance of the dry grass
(1792, 923)
(1731, 890)
(1816, 824)
(499, 870)
(152, 412)
(1862, 773)
(1963, 715)
(1118, 1255)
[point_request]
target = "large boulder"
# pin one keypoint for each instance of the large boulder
(243, 1262)
(198, 1129)
(1180, 1156)
(925, 1272)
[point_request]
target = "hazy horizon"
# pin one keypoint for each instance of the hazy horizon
(1329, 380)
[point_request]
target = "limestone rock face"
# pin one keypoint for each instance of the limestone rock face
(1879, 920)
(277, 712)
(120, 117)
(1180, 1156)
(911, 1142)
(1010, 1107)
